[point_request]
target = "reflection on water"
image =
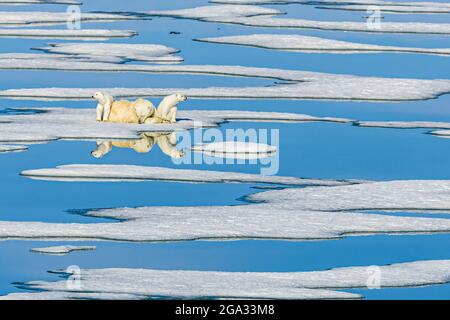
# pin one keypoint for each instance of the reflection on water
(167, 142)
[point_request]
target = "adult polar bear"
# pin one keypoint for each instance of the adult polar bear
(139, 111)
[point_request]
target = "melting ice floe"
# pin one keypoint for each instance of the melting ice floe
(302, 84)
(147, 283)
(66, 34)
(236, 149)
(358, 5)
(87, 172)
(12, 148)
(255, 16)
(291, 214)
(27, 2)
(62, 250)
(410, 125)
(315, 44)
(121, 52)
(33, 18)
(80, 124)
(399, 7)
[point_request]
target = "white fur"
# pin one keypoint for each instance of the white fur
(144, 109)
(102, 149)
(105, 102)
(167, 109)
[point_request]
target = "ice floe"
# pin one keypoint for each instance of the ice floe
(236, 149)
(150, 283)
(12, 148)
(121, 52)
(421, 195)
(254, 17)
(307, 213)
(27, 2)
(210, 12)
(66, 34)
(92, 172)
(396, 7)
(301, 84)
(444, 133)
(62, 250)
(355, 5)
(404, 124)
(315, 44)
(79, 124)
(33, 18)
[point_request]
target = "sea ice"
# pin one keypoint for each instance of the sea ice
(79, 124)
(62, 250)
(121, 51)
(12, 148)
(316, 45)
(309, 213)
(255, 16)
(147, 283)
(66, 34)
(33, 18)
(301, 84)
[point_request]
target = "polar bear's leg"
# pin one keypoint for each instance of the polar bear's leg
(167, 148)
(102, 149)
(172, 138)
(106, 111)
(172, 115)
(99, 112)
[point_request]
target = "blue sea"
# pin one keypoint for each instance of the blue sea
(313, 150)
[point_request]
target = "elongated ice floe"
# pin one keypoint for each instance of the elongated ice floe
(66, 34)
(49, 124)
(236, 149)
(302, 43)
(393, 7)
(33, 18)
(62, 250)
(27, 2)
(443, 133)
(249, 16)
(121, 51)
(302, 84)
(87, 172)
(383, 5)
(404, 124)
(307, 213)
(12, 148)
(271, 285)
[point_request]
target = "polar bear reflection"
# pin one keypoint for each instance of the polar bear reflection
(167, 142)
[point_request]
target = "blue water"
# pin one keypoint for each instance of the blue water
(315, 150)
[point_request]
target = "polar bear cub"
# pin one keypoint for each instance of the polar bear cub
(104, 105)
(167, 109)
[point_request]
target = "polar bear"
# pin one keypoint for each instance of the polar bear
(105, 102)
(131, 112)
(166, 142)
(122, 111)
(142, 145)
(167, 109)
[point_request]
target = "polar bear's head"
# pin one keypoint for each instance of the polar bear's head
(101, 97)
(179, 97)
(175, 98)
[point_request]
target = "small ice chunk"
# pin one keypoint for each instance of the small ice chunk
(62, 250)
